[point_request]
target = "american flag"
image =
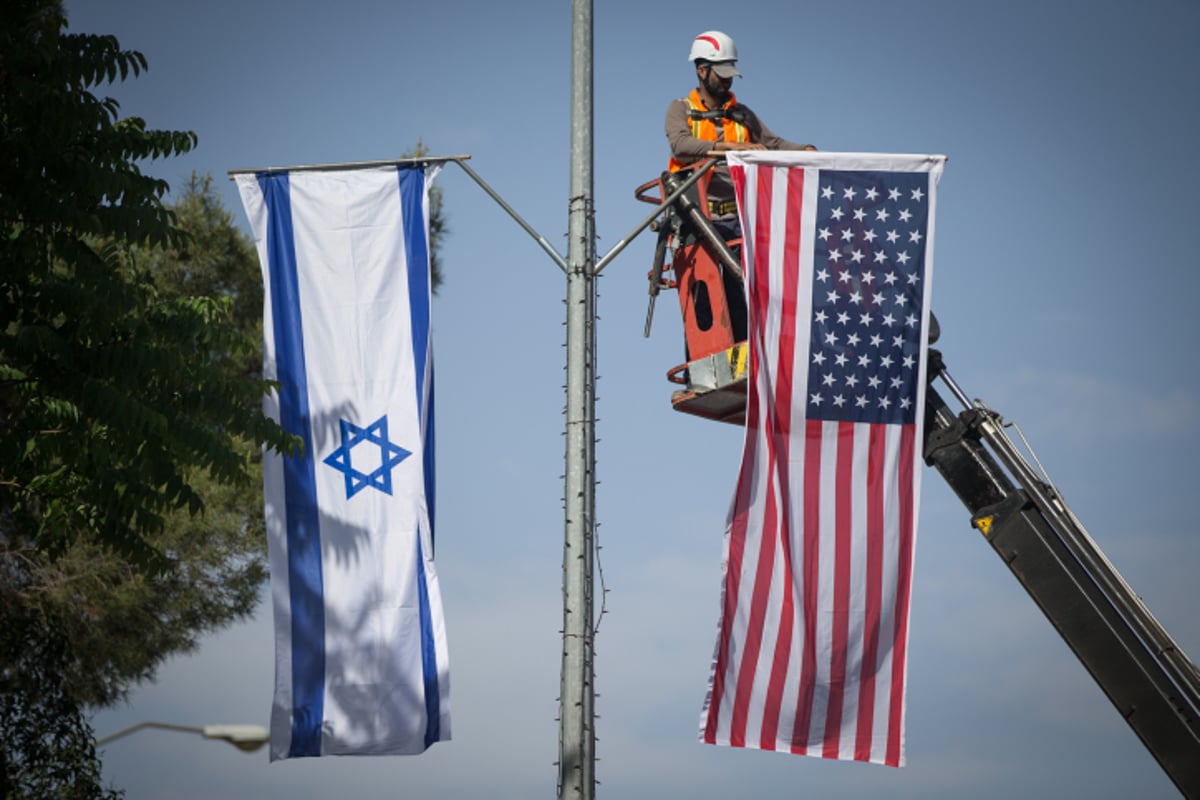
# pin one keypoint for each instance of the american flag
(812, 641)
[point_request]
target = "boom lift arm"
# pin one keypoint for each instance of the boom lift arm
(1152, 683)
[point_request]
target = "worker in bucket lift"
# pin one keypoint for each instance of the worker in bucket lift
(711, 119)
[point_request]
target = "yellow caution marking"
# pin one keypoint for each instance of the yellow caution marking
(984, 524)
(737, 360)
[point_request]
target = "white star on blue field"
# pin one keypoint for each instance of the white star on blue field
(390, 455)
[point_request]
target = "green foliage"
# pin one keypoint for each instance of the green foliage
(48, 748)
(119, 618)
(113, 393)
(215, 260)
(123, 621)
(120, 623)
(130, 422)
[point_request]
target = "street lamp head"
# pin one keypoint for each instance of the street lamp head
(246, 738)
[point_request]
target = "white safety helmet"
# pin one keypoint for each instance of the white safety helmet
(718, 49)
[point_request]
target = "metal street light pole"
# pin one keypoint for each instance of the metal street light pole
(577, 757)
(246, 738)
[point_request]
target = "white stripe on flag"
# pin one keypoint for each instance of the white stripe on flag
(361, 656)
(811, 646)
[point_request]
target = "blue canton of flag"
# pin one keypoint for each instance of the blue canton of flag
(867, 288)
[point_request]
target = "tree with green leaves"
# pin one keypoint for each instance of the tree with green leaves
(130, 416)
(120, 621)
(46, 745)
(113, 393)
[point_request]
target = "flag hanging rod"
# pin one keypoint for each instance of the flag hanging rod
(349, 165)
(460, 160)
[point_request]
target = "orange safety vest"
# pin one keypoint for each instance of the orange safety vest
(706, 129)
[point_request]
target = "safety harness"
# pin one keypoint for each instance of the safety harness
(732, 118)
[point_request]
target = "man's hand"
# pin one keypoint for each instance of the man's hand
(721, 146)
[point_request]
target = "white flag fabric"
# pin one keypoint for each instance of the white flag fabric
(811, 654)
(361, 664)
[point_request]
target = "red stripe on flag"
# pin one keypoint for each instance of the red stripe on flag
(767, 534)
(733, 569)
(843, 527)
(812, 562)
(740, 521)
(769, 734)
(773, 533)
(876, 464)
(906, 477)
(747, 668)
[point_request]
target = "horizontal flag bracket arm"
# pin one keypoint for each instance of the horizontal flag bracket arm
(541, 240)
(460, 160)
(645, 223)
(346, 165)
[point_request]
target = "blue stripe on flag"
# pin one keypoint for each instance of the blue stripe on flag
(430, 476)
(433, 715)
(412, 197)
(300, 489)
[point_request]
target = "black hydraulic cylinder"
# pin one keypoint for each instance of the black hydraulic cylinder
(1135, 663)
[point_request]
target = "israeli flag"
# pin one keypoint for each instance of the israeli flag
(361, 663)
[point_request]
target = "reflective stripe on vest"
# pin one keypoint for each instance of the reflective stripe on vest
(706, 129)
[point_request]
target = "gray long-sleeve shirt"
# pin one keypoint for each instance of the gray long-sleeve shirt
(688, 148)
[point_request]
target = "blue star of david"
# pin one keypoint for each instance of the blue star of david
(389, 456)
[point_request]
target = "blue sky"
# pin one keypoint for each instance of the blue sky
(1065, 282)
